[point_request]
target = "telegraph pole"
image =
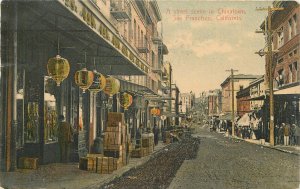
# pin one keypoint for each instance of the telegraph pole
(232, 99)
(270, 67)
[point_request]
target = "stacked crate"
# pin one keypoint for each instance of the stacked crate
(28, 163)
(104, 165)
(115, 137)
(89, 162)
(147, 146)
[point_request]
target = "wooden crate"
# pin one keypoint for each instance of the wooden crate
(87, 163)
(112, 138)
(116, 116)
(105, 165)
(113, 128)
(113, 153)
(117, 163)
(28, 163)
(136, 153)
(94, 155)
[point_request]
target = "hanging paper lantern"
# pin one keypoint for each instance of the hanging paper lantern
(58, 69)
(112, 86)
(125, 100)
(157, 112)
(84, 79)
(99, 82)
(153, 111)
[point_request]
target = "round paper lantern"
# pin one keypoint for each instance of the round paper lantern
(125, 100)
(112, 86)
(153, 111)
(84, 79)
(58, 69)
(99, 82)
(157, 112)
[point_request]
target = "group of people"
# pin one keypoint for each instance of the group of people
(243, 132)
(287, 134)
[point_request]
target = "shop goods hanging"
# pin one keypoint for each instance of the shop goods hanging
(58, 69)
(84, 79)
(112, 86)
(99, 82)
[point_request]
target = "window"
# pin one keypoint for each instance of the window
(295, 24)
(290, 29)
(125, 30)
(296, 70)
(280, 37)
(138, 37)
(134, 31)
(290, 73)
(153, 58)
(280, 61)
(280, 78)
(142, 42)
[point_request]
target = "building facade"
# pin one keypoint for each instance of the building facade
(287, 74)
(117, 38)
(240, 81)
(214, 102)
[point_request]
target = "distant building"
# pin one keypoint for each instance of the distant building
(186, 100)
(257, 93)
(214, 102)
(241, 81)
(243, 101)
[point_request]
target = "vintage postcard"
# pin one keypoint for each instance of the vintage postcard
(149, 94)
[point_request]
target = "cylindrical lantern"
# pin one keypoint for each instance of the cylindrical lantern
(125, 100)
(99, 82)
(112, 86)
(84, 79)
(58, 69)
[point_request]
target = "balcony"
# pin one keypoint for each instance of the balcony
(157, 38)
(120, 9)
(158, 69)
(142, 47)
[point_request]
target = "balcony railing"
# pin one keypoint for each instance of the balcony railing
(142, 47)
(156, 37)
(120, 9)
(158, 69)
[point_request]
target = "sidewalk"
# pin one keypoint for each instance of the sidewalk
(288, 149)
(66, 176)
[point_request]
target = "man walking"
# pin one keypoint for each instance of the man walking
(155, 132)
(65, 137)
(286, 133)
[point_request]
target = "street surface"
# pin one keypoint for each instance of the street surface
(222, 162)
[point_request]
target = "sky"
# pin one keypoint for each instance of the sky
(206, 38)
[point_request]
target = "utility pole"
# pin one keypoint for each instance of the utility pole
(270, 67)
(232, 98)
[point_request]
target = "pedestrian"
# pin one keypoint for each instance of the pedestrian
(155, 132)
(297, 135)
(276, 134)
(65, 138)
(292, 134)
(280, 134)
(286, 133)
(138, 136)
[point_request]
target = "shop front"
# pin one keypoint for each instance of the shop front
(31, 100)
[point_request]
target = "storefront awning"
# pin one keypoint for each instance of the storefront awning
(262, 97)
(289, 91)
